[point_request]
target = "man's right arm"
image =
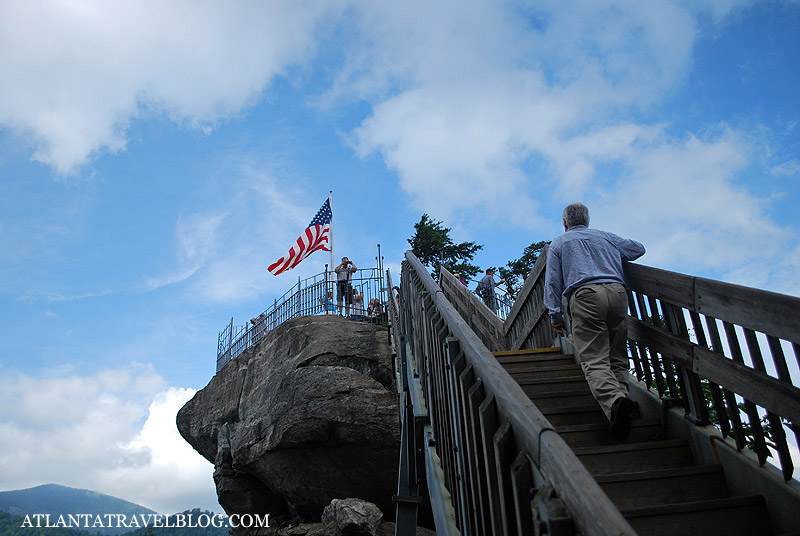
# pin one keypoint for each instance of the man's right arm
(629, 250)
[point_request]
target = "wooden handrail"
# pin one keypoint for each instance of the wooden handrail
(735, 338)
(527, 324)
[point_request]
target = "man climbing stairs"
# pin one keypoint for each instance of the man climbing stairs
(652, 479)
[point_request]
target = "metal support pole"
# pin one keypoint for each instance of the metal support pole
(230, 338)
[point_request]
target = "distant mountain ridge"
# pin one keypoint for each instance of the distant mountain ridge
(57, 500)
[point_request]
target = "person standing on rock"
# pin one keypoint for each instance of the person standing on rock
(485, 289)
(585, 267)
(358, 305)
(344, 289)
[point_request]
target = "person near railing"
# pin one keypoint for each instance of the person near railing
(258, 326)
(344, 288)
(485, 289)
(374, 310)
(327, 303)
(358, 305)
(585, 267)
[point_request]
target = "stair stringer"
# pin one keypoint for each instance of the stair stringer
(743, 474)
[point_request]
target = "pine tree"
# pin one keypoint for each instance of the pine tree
(433, 246)
(515, 271)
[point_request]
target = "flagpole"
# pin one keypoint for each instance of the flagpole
(330, 236)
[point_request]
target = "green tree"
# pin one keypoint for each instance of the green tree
(515, 272)
(433, 246)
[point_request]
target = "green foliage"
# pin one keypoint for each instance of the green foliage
(766, 428)
(433, 246)
(747, 427)
(515, 271)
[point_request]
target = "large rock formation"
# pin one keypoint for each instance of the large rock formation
(307, 416)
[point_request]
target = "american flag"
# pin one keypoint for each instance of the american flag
(314, 238)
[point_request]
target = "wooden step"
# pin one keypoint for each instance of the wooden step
(635, 457)
(563, 416)
(651, 480)
(553, 385)
(665, 486)
(533, 352)
(585, 435)
(577, 397)
(540, 359)
(735, 516)
(544, 360)
(525, 372)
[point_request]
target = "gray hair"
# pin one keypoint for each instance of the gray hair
(576, 214)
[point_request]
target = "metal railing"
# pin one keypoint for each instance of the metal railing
(487, 448)
(483, 321)
(315, 295)
(502, 299)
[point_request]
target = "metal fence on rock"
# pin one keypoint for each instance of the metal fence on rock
(315, 295)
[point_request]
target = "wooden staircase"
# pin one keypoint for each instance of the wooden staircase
(652, 479)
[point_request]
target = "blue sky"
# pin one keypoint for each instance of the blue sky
(155, 157)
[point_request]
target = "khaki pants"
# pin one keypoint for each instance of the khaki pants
(599, 315)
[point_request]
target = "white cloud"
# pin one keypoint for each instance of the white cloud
(113, 432)
(486, 111)
(164, 457)
(222, 255)
(686, 202)
(790, 168)
(721, 9)
(197, 237)
(542, 82)
(448, 158)
(76, 73)
(548, 100)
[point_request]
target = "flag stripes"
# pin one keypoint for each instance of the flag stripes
(314, 238)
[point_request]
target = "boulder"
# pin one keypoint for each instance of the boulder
(310, 413)
(351, 517)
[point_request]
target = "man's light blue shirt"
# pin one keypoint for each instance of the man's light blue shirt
(583, 256)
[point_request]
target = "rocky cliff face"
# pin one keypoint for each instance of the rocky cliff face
(307, 416)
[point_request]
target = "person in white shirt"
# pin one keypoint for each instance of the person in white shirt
(344, 290)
